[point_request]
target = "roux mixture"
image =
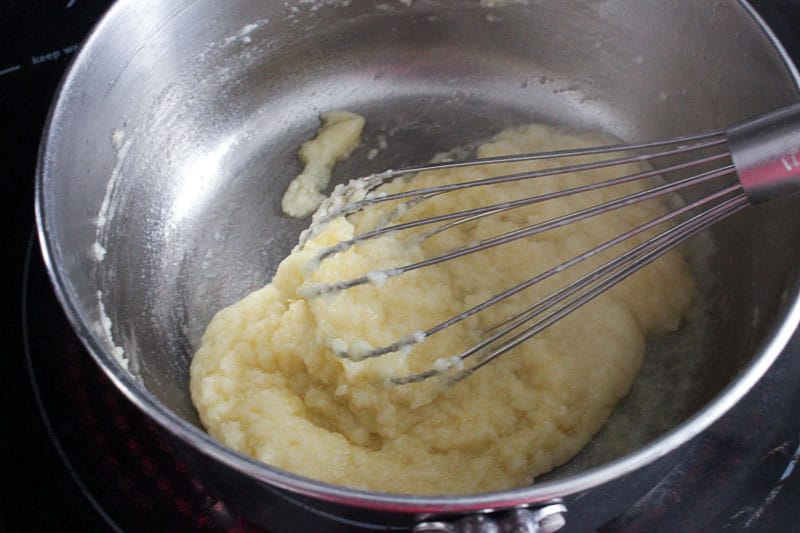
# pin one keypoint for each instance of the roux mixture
(336, 139)
(267, 380)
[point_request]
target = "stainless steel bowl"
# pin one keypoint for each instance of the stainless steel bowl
(174, 135)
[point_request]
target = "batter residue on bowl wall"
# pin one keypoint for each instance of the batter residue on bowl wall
(335, 141)
(267, 383)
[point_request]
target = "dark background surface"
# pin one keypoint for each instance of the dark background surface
(93, 464)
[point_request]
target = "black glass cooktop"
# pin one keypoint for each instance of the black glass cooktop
(77, 456)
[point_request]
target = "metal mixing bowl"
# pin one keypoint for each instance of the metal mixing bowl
(174, 135)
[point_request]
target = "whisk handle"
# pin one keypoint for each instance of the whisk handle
(766, 153)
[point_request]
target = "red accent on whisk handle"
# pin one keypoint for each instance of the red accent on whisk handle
(766, 153)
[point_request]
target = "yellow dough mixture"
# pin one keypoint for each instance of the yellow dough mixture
(335, 141)
(267, 380)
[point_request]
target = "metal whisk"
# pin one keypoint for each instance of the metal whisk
(763, 153)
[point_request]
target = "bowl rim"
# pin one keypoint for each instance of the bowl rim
(199, 440)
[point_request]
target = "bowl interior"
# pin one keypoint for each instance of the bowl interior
(173, 140)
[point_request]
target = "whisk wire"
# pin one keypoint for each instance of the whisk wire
(693, 180)
(689, 229)
(604, 277)
(469, 215)
(691, 143)
(619, 260)
(528, 231)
